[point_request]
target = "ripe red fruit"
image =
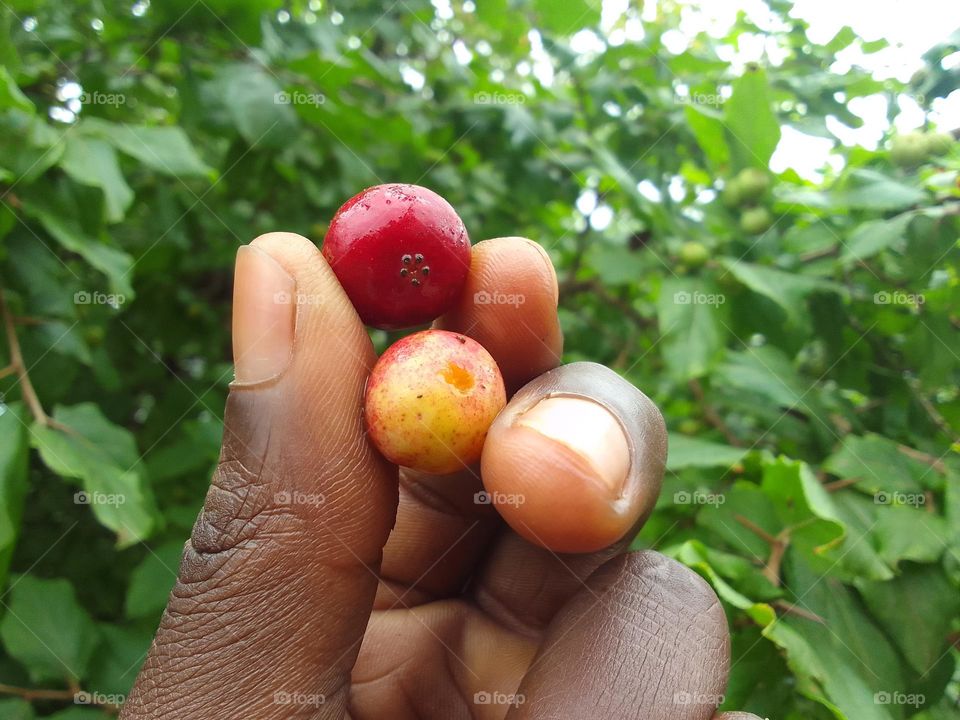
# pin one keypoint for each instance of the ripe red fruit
(430, 400)
(401, 253)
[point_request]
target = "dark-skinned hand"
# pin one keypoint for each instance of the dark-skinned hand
(321, 582)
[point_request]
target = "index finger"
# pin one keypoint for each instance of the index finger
(509, 305)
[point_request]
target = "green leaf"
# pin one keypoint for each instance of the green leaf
(46, 630)
(687, 452)
(878, 465)
(565, 18)
(929, 595)
(13, 481)
(93, 162)
(616, 265)
(117, 660)
(874, 236)
(877, 191)
(708, 129)
(104, 457)
(788, 290)
(10, 95)
(751, 124)
(28, 146)
(166, 149)
(843, 662)
(692, 320)
(767, 372)
(16, 709)
(152, 580)
(254, 103)
(115, 264)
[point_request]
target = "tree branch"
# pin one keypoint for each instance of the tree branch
(16, 362)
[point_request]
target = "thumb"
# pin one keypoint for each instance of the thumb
(278, 578)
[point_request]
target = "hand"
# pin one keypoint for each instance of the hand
(295, 599)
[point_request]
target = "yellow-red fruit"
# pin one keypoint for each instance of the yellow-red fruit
(430, 400)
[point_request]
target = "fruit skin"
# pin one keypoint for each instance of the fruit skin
(753, 184)
(430, 400)
(756, 220)
(694, 254)
(401, 253)
(909, 149)
(730, 195)
(938, 143)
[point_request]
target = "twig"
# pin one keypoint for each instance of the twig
(16, 362)
(778, 546)
(30, 694)
(791, 609)
(835, 485)
(596, 288)
(936, 463)
(755, 529)
(8, 370)
(711, 414)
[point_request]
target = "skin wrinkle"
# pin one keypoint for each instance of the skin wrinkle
(643, 596)
(249, 631)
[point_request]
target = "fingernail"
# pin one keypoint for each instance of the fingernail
(587, 428)
(264, 315)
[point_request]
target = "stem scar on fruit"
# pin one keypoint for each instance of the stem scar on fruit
(382, 224)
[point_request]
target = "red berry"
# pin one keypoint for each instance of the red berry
(401, 253)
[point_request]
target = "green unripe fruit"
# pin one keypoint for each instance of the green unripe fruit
(939, 143)
(730, 195)
(753, 184)
(756, 220)
(909, 149)
(694, 254)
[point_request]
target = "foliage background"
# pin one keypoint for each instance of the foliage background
(813, 466)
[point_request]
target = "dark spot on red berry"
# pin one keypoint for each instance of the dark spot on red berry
(404, 272)
(462, 339)
(418, 258)
(425, 270)
(414, 281)
(406, 259)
